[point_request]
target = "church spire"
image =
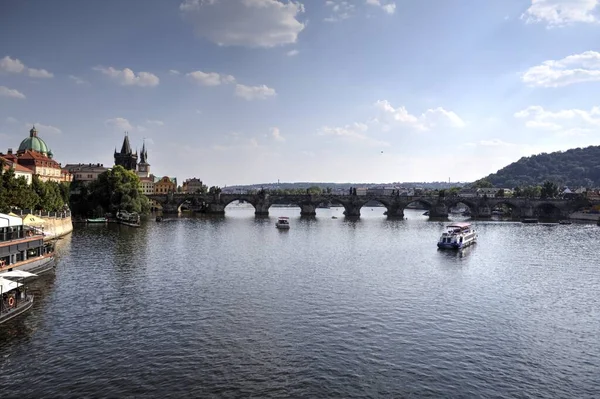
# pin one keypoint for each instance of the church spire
(126, 148)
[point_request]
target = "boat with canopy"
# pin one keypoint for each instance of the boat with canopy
(457, 236)
(14, 299)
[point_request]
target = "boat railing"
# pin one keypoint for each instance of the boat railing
(6, 307)
(19, 234)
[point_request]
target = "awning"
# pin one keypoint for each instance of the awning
(7, 285)
(13, 214)
(32, 220)
(17, 273)
(9, 221)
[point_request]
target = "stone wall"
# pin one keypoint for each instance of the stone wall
(57, 227)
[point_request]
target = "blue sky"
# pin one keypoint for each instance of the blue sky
(249, 91)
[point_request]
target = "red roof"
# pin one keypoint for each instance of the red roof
(16, 166)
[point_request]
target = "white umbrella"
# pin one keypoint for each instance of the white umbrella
(17, 273)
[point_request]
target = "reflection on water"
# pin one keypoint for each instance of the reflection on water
(234, 307)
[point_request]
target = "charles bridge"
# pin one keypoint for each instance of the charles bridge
(439, 207)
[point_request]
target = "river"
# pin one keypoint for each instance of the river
(232, 307)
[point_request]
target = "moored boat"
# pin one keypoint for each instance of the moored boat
(23, 247)
(283, 223)
(14, 299)
(96, 220)
(131, 219)
(459, 235)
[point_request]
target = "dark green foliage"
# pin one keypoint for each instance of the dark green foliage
(115, 189)
(482, 183)
(16, 193)
(549, 190)
(573, 168)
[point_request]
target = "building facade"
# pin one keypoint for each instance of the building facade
(85, 172)
(165, 185)
(35, 155)
(126, 157)
(193, 185)
(20, 171)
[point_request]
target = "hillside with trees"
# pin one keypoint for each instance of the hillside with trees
(572, 168)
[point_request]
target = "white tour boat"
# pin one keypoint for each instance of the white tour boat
(459, 235)
(283, 223)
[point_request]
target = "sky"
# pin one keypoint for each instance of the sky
(256, 91)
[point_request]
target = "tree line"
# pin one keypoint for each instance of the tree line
(15, 192)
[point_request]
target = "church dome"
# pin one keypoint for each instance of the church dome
(34, 143)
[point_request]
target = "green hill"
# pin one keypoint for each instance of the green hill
(573, 168)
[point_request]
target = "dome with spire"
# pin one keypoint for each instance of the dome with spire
(34, 143)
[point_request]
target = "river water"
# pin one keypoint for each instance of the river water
(232, 307)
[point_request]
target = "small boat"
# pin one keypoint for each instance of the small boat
(565, 221)
(14, 299)
(458, 236)
(426, 213)
(283, 223)
(159, 218)
(334, 217)
(529, 220)
(128, 219)
(96, 220)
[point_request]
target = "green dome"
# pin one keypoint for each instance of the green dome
(33, 142)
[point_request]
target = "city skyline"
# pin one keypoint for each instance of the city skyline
(250, 91)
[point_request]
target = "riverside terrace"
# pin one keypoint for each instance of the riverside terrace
(438, 206)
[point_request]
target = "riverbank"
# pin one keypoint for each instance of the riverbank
(57, 227)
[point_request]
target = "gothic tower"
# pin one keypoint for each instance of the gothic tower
(126, 158)
(143, 169)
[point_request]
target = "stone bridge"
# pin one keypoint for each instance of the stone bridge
(438, 206)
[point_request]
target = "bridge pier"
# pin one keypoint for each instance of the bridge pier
(261, 208)
(170, 208)
(438, 210)
(484, 212)
(395, 211)
(308, 210)
(215, 209)
(352, 210)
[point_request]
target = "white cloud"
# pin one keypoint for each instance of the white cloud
(210, 78)
(564, 122)
(127, 77)
(11, 65)
(292, 53)
(356, 132)
(39, 73)
(254, 92)
(430, 119)
(119, 124)
(340, 10)
(155, 122)
(43, 129)
(12, 93)
(494, 143)
(276, 134)
(78, 80)
(577, 68)
(174, 72)
(251, 23)
(11, 120)
(389, 8)
(556, 13)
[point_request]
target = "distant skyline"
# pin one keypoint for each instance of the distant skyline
(249, 91)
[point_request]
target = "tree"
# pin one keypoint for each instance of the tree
(482, 183)
(517, 192)
(500, 193)
(118, 189)
(549, 190)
